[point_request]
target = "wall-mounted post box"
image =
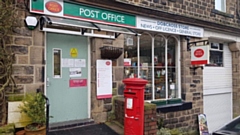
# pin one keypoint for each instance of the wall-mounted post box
(134, 106)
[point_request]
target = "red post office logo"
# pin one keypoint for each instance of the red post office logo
(198, 53)
(108, 63)
(53, 7)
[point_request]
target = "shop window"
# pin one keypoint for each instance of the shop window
(153, 58)
(216, 55)
(220, 5)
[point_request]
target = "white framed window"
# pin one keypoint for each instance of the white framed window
(220, 5)
(216, 55)
(155, 58)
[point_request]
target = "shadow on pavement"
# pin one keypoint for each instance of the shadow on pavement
(97, 129)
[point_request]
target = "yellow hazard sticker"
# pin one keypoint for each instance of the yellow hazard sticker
(74, 52)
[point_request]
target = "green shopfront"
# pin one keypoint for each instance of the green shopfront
(76, 36)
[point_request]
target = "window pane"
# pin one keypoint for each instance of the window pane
(146, 63)
(216, 58)
(220, 5)
(130, 56)
(159, 68)
(171, 63)
(220, 46)
(57, 63)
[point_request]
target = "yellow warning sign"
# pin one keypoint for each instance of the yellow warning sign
(74, 52)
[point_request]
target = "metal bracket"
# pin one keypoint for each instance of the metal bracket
(189, 44)
(194, 68)
(133, 31)
(99, 29)
(83, 31)
(117, 34)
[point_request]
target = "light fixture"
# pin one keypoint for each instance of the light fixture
(31, 22)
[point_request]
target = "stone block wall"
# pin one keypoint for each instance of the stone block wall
(150, 118)
(28, 47)
(100, 108)
(192, 90)
(119, 110)
(199, 9)
(235, 48)
(179, 119)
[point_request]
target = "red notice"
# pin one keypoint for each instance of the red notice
(78, 83)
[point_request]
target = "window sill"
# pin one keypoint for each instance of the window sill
(222, 13)
(174, 107)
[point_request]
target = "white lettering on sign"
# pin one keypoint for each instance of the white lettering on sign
(89, 13)
(168, 27)
(96, 14)
(113, 17)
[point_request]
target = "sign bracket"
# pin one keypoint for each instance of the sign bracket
(195, 43)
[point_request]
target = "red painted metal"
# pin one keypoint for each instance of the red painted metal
(134, 106)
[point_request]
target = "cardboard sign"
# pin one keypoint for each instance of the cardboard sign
(203, 127)
(199, 55)
(127, 62)
(77, 83)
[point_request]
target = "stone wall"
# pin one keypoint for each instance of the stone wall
(100, 108)
(119, 110)
(179, 119)
(235, 49)
(150, 118)
(28, 47)
(199, 9)
(192, 89)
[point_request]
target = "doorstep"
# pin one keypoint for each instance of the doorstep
(70, 124)
(117, 127)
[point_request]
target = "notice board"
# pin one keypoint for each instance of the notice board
(104, 79)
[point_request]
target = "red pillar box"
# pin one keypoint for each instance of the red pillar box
(134, 106)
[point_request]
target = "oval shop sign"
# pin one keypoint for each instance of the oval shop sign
(53, 7)
(198, 53)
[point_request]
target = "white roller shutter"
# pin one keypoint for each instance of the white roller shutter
(217, 92)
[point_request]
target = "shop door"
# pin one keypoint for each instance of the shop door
(67, 75)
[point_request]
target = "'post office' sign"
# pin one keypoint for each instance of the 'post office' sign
(199, 55)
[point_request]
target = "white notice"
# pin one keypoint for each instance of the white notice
(75, 72)
(80, 63)
(129, 103)
(70, 62)
(104, 79)
(64, 62)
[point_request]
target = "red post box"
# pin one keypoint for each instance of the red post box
(134, 106)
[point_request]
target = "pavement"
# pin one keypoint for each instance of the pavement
(108, 128)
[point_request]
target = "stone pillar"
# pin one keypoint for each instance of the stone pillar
(235, 49)
(192, 86)
(101, 108)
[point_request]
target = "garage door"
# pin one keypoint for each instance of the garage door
(217, 92)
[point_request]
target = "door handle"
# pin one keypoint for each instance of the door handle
(48, 82)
